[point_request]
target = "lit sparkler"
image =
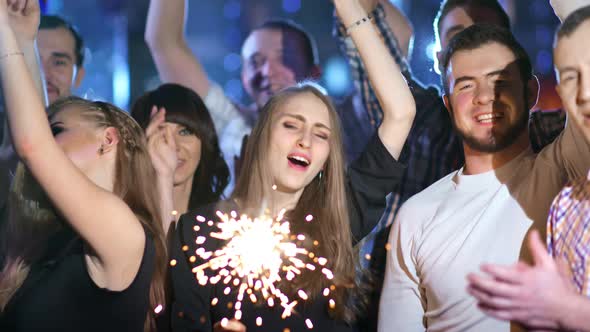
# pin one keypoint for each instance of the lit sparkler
(258, 254)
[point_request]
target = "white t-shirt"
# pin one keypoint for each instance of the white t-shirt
(452, 227)
(231, 127)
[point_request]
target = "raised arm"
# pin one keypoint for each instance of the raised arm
(25, 35)
(164, 35)
(399, 24)
(113, 232)
(391, 89)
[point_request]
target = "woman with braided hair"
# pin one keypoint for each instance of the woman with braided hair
(83, 248)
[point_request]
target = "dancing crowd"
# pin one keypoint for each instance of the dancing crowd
(462, 208)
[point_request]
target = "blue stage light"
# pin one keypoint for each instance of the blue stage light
(291, 6)
(232, 62)
(232, 9)
(337, 76)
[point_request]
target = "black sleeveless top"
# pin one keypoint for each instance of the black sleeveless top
(59, 295)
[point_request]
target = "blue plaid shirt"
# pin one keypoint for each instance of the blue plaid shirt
(432, 149)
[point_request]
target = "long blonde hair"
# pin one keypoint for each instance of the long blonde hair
(324, 198)
(32, 217)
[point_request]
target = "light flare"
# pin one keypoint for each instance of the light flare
(258, 254)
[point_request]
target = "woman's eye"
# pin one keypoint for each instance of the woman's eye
(289, 125)
(56, 130)
(185, 132)
(322, 136)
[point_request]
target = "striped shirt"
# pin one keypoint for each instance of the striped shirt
(568, 231)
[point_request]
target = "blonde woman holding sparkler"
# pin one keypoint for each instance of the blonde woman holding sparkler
(294, 163)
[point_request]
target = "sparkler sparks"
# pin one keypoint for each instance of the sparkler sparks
(257, 255)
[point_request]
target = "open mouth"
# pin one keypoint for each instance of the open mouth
(489, 118)
(51, 88)
(298, 162)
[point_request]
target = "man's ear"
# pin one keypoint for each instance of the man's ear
(438, 62)
(447, 103)
(533, 87)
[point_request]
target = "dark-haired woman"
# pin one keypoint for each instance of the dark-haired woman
(184, 149)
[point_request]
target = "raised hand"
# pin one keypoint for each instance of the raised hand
(23, 17)
(161, 145)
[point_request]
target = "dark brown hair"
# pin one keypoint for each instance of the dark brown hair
(185, 107)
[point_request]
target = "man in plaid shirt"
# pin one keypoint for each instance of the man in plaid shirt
(546, 295)
(433, 148)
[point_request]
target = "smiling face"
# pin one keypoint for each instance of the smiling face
(57, 50)
(188, 149)
(572, 61)
(299, 142)
(272, 62)
(487, 99)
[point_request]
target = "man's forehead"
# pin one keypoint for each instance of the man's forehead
(56, 38)
(571, 50)
(262, 41)
(466, 16)
(481, 61)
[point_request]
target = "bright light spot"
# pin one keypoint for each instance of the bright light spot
(302, 294)
(337, 76)
(232, 62)
(431, 50)
(291, 6)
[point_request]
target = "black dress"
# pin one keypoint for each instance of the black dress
(59, 295)
(369, 179)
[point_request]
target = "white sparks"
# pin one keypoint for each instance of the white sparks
(258, 254)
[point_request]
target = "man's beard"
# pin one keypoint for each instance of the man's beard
(495, 141)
